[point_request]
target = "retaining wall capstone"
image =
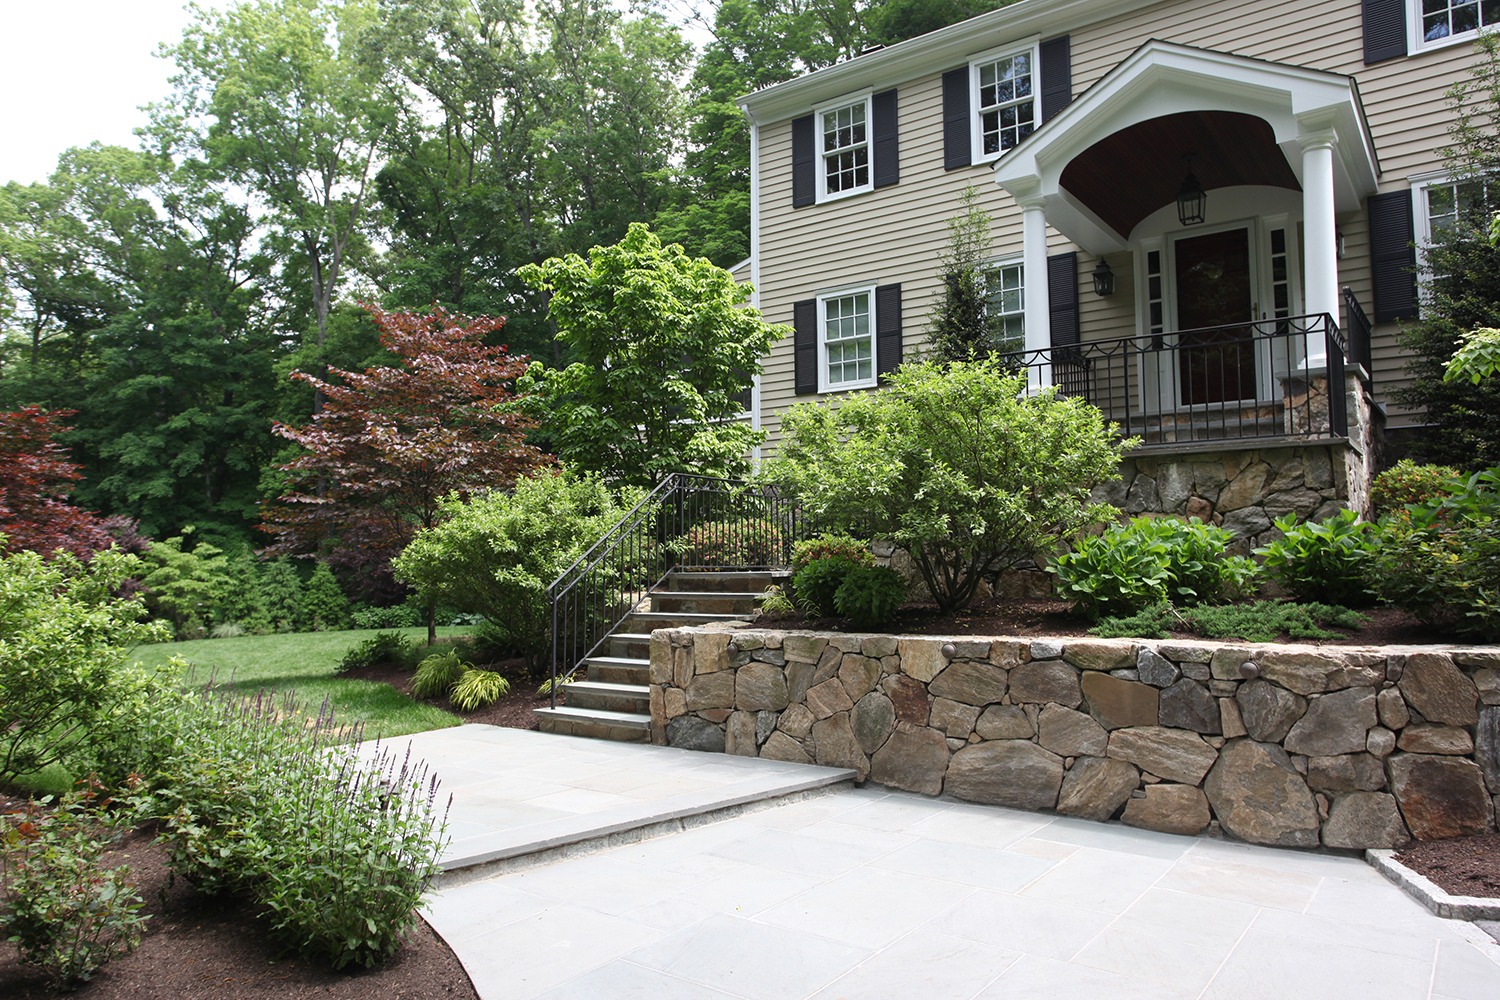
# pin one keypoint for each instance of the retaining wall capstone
(1298, 746)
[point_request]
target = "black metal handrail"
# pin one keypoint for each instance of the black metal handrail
(1360, 330)
(687, 523)
(1256, 379)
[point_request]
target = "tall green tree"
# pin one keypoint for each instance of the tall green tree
(171, 366)
(664, 347)
(290, 100)
(556, 125)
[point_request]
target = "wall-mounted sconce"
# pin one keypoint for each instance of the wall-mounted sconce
(1104, 279)
(1338, 243)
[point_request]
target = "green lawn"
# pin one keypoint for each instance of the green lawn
(305, 662)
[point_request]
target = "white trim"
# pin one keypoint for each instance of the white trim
(1162, 78)
(1028, 46)
(931, 53)
(756, 417)
(820, 158)
(824, 386)
(1416, 43)
(998, 264)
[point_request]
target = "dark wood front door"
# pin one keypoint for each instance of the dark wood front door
(1216, 355)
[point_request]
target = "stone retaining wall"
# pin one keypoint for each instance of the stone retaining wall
(1298, 746)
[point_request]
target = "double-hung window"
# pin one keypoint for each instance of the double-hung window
(1004, 101)
(1005, 306)
(1435, 22)
(846, 340)
(843, 135)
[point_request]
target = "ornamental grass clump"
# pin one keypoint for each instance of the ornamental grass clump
(958, 464)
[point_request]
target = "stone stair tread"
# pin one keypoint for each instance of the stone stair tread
(631, 636)
(701, 616)
(719, 595)
(608, 687)
(619, 661)
(634, 720)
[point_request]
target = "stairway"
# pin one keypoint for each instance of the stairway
(613, 700)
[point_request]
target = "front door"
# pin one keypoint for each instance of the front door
(1215, 308)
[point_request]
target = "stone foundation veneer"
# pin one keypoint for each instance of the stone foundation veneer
(1299, 746)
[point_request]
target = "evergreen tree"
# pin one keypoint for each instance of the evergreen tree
(960, 330)
(1462, 282)
(324, 606)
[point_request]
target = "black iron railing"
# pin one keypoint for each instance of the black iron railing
(1359, 331)
(1273, 378)
(687, 523)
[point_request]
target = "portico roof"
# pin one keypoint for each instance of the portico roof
(1119, 151)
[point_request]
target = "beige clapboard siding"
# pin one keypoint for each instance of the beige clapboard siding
(898, 233)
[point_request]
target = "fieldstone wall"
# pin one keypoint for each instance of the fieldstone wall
(1245, 488)
(1299, 746)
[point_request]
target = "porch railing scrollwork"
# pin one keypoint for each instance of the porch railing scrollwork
(1281, 377)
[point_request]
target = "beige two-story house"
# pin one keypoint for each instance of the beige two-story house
(1203, 215)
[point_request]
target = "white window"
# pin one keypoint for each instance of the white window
(844, 149)
(846, 340)
(1004, 101)
(1005, 306)
(1439, 203)
(1441, 22)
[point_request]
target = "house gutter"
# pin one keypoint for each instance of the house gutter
(921, 56)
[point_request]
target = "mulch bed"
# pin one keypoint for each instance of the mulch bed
(1463, 866)
(196, 948)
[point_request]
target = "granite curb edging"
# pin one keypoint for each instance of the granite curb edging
(1431, 895)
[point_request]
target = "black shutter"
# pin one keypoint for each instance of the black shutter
(1385, 30)
(1057, 76)
(1062, 300)
(887, 328)
(958, 147)
(805, 346)
(886, 145)
(1393, 258)
(804, 165)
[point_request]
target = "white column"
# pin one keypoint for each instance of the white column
(1038, 313)
(1321, 294)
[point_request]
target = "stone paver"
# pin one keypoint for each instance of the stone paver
(868, 893)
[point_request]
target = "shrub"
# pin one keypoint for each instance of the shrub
(185, 585)
(955, 463)
(63, 646)
(1324, 561)
(478, 688)
(754, 541)
(1149, 561)
(870, 595)
(1148, 623)
(382, 647)
(396, 616)
(1265, 621)
(437, 674)
(281, 595)
(1441, 559)
(816, 583)
(324, 606)
(826, 545)
(1406, 482)
(496, 554)
(255, 797)
(351, 850)
(66, 914)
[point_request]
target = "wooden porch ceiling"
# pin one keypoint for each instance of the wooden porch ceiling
(1131, 173)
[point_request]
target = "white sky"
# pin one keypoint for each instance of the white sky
(76, 71)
